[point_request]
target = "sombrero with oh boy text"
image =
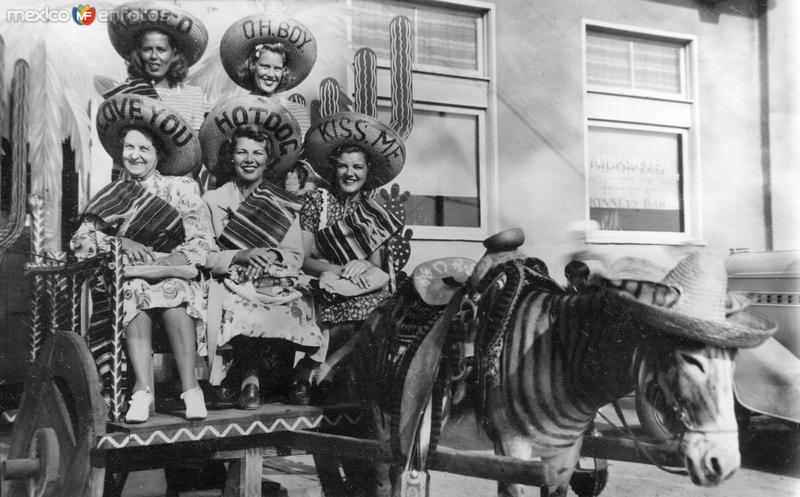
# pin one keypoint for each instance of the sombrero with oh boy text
(181, 149)
(242, 38)
(129, 20)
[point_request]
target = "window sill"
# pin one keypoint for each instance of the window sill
(447, 233)
(643, 238)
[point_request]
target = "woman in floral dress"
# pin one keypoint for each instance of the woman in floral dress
(344, 230)
(159, 220)
(257, 228)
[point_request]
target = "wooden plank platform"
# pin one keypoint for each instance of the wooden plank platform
(172, 428)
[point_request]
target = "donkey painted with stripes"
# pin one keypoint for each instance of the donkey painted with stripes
(546, 359)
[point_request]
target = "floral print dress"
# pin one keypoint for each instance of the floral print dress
(321, 208)
(183, 194)
(293, 320)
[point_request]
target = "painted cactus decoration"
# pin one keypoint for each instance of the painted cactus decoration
(365, 67)
(366, 89)
(400, 43)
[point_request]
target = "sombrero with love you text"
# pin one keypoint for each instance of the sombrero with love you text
(279, 124)
(243, 38)
(386, 152)
(128, 21)
(181, 147)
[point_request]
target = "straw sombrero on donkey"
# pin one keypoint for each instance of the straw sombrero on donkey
(179, 141)
(241, 39)
(129, 20)
(265, 112)
(386, 152)
(701, 309)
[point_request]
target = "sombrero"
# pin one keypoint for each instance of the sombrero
(181, 148)
(242, 37)
(705, 311)
(386, 152)
(265, 112)
(128, 20)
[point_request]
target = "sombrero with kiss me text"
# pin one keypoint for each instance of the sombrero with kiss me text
(128, 21)
(181, 149)
(279, 124)
(385, 150)
(242, 38)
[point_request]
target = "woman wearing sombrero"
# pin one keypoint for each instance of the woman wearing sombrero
(344, 230)
(164, 231)
(159, 43)
(270, 55)
(255, 295)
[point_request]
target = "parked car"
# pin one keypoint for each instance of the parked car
(767, 378)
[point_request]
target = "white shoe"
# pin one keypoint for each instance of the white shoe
(139, 406)
(195, 403)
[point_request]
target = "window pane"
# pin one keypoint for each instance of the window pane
(657, 66)
(608, 60)
(447, 38)
(371, 24)
(635, 180)
(441, 170)
(628, 62)
(442, 37)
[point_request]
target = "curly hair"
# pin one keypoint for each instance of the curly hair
(161, 152)
(224, 167)
(247, 69)
(178, 67)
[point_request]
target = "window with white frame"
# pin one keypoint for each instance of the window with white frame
(640, 135)
(449, 151)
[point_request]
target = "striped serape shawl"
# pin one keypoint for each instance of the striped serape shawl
(127, 209)
(358, 234)
(262, 219)
(136, 86)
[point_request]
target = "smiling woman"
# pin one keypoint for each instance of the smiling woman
(159, 43)
(269, 55)
(254, 295)
(159, 220)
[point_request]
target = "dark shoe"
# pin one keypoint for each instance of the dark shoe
(250, 398)
(300, 395)
(322, 393)
(222, 398)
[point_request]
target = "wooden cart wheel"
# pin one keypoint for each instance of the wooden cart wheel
(62, 394)
(652, 409)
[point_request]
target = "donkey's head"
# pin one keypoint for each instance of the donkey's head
(692, 329)
(685, 391)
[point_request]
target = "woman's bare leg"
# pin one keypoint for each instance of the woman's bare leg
(181, 333)
(139, 336)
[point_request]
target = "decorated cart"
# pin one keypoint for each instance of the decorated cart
(441, 334)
